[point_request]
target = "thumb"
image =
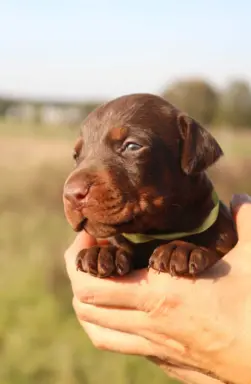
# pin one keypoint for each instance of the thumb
(81, 241)
(241, 209)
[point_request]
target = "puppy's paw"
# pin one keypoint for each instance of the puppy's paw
(104, 261)
(182, 259)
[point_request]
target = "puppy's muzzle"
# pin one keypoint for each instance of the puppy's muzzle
(76, 193)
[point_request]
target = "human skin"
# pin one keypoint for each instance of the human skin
(196, 330)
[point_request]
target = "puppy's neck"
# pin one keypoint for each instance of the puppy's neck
(192, 209)
(196, 206)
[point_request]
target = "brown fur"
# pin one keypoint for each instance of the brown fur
(140, 168)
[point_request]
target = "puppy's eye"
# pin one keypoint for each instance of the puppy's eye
(132, 147)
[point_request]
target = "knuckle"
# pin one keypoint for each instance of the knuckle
(75, 304)
(83, 311)
(81, 315)
(164, 305)
(100, 344)
(86, 296)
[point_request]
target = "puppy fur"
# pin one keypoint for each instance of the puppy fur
(141, 168)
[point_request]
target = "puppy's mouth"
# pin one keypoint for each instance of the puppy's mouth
(127, 222)
(81, 225)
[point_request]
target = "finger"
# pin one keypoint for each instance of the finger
(125, 320)
(139, 323)
(186, 374)
(140, 290)
(191, 377)
(194, 377)
(82, 240)
(127, 292)
(114, 341)
(123, 342)
(241, 208)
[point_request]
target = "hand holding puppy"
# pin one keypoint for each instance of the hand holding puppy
(198, 331)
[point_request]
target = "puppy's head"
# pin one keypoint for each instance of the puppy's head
(137, 162)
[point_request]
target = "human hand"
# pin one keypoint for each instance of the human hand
(194, 329)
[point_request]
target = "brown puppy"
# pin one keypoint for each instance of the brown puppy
(140, 182)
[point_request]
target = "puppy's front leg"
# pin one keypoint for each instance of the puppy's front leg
(180, 258)
(104, 261)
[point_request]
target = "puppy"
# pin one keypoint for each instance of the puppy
(140, 182)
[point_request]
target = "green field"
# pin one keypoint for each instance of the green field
(40, 340)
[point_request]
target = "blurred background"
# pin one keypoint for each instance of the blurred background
(59, 60)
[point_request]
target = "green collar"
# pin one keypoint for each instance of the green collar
(208, 222)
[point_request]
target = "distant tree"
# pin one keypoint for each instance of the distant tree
(90, 106)
(235, 104)
(195, 97)
(5, 104)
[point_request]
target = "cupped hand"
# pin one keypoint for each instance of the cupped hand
(196, 330)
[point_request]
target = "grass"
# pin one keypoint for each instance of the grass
(40, 338)
(31, 130)
(235, 142)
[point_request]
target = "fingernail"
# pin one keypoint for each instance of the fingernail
(239, 199)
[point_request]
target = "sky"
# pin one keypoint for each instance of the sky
(100, 49)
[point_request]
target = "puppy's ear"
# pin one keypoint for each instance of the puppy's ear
(199, 149)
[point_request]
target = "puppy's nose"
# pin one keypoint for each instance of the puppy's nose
(76, 193)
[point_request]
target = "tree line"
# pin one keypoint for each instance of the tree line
(209, 105)
(230, 106)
